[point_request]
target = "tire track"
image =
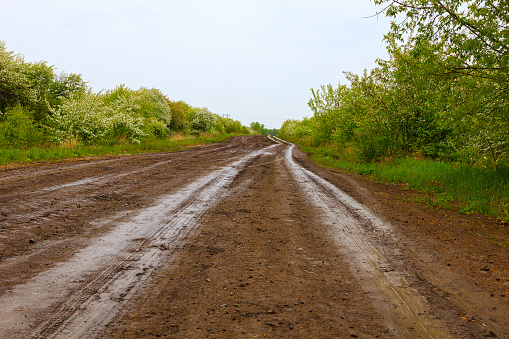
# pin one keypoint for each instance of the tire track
(358, 232)
(78, 297)
(99, 178)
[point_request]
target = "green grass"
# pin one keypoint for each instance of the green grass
(466, 188)
(71, 151)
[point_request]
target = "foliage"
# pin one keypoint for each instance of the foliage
(295, 129)
(33, 85)
(273, 131)
(443, 93)
(434, 116)
(17, 129)
(333, 114)
(156, 104)
(203, 120)
(15, 85)
(180, 112)
(116, 114)
(260, 129)
(40, 106)
(473, 33)
(230, 126)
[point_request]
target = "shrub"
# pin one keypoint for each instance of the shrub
(155, 104)
(179, 119)
(17, 129)
(203, 120)
(98, 118)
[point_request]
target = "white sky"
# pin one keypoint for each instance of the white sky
(255, 60)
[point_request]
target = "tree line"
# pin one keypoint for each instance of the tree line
(260, 128)
(443, 93)
(40, 106)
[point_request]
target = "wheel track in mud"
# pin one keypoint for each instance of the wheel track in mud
(97, 179)
(370, 244)
(38, 200)
(91, 306)
(406, 310)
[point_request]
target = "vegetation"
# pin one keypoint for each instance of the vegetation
(43, 112)
(260, 129)
(442, 98)
(176, 142)
(463, 187)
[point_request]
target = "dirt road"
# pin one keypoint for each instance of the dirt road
(242, 239)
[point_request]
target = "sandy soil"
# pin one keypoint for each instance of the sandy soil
(239, 240)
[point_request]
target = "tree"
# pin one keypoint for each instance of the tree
(34, 86)
(327, 104)
(462, 45)
(259, 128)
(474, 32)
(15, 84)
(18, 130)
(157, 103)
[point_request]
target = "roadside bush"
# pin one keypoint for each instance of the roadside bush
(294, 129)
(179, 119)
(18, 130)
(121, 121)
(230, 126)
(203, 120)
(98, 118)
(155, 104)
(78, 116)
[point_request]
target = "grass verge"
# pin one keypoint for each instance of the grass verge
(75, 150)
(466, 188)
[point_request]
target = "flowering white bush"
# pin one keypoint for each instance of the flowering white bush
(203, 120)
(15, 84)
(95, 117)
(122, 120)
(79, 115)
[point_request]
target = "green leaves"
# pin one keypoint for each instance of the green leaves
(477, 31)
(17, 129)
(443, 93)
(203, 120)
(37, 104)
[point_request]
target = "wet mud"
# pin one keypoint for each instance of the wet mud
(242, 239)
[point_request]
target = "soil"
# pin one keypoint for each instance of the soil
(261, 260)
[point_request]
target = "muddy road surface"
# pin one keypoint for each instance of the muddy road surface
(243, 239)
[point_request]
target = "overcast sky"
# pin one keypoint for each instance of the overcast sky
(255, 60)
